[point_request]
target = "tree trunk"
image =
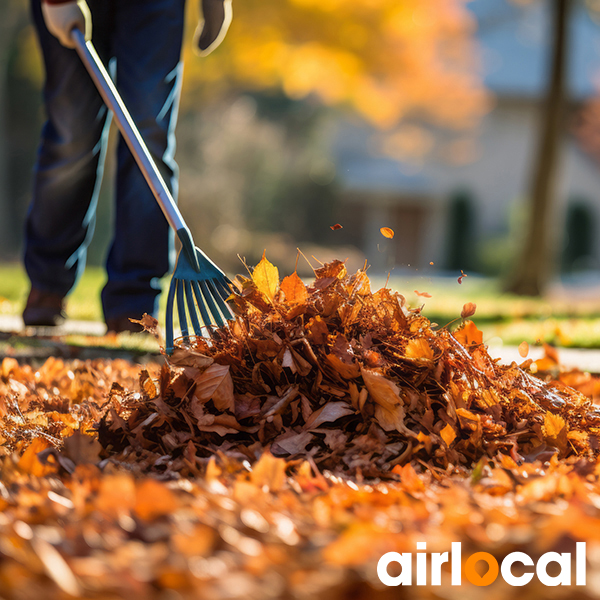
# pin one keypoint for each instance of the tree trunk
(533, 268)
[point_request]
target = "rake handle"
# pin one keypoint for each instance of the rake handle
(129, 131)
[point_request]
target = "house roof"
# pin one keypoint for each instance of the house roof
(515, 42)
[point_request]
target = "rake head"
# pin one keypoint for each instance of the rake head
(201, 289)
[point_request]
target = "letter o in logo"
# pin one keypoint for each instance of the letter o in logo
(473, 576)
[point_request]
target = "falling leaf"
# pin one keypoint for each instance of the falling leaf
(266, 278)
(523, 349)
(468, 310)
(336, 226)
(461, 276)
(423, 294)
(294, 289)
(387, 232)
(431, 263)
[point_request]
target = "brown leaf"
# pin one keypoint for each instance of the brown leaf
(332, 411)
(468, 310)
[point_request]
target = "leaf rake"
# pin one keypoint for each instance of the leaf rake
(198, 285)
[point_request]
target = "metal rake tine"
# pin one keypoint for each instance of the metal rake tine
(224, 290)
(201, 304)
(169, 317)
(208, 296)
(189, 296)
(218, 296)
(183, 324)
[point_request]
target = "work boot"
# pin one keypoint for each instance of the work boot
(44, 309)
(120, 324)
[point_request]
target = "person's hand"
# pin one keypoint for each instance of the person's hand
(61, 19)
(211, 31)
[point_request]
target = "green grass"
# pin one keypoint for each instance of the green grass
(82, 304)
(514, 319)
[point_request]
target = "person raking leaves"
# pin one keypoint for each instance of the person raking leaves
(141, 40)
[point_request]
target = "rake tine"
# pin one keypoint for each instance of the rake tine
(218, 296)
(169, 318)
(189, 296)
(183, 324)
(207, 294)
(201, 304)
(224, 291)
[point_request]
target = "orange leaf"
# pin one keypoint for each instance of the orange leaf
(469, 335)
(448, 434)
(30, 463)
(266, 278)
(336, 226)
(387, 232)
(523, 349)
(294, 289)
(423, 294)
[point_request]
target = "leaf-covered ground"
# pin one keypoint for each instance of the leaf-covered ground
(328, 426)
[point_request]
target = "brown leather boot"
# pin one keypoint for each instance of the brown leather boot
(44, 309)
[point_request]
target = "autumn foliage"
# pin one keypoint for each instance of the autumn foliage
(386, 59)
(281, 459)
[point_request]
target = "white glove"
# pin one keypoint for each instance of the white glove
(211, 31)
(61, 19)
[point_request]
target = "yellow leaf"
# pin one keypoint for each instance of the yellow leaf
(266, 278)
(555, 431)
(387, 232)
(553, 425)
(294, 289)
(419, 348)
(448, 434)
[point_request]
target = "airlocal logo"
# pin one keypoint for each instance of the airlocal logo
(457, 569)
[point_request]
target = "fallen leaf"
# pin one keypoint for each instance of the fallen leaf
(266, 278)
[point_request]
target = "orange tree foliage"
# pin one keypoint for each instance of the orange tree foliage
(387, 59)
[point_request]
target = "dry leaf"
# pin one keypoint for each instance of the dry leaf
(468, 310)
(266, 278)
(387, 232)
(294, 289)
(523, 349)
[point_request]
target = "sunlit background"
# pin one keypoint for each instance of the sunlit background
(424, 116)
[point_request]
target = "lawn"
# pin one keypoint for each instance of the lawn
(513, 319)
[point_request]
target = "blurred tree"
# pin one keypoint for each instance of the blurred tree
(538, 253)
(386, 59)
(13, 14)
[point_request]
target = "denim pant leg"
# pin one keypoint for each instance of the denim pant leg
(147, 47)
(67, 175)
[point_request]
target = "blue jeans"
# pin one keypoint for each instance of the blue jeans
(142, 40)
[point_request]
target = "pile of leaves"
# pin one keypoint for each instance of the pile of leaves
(327, 426)
(351, 380)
